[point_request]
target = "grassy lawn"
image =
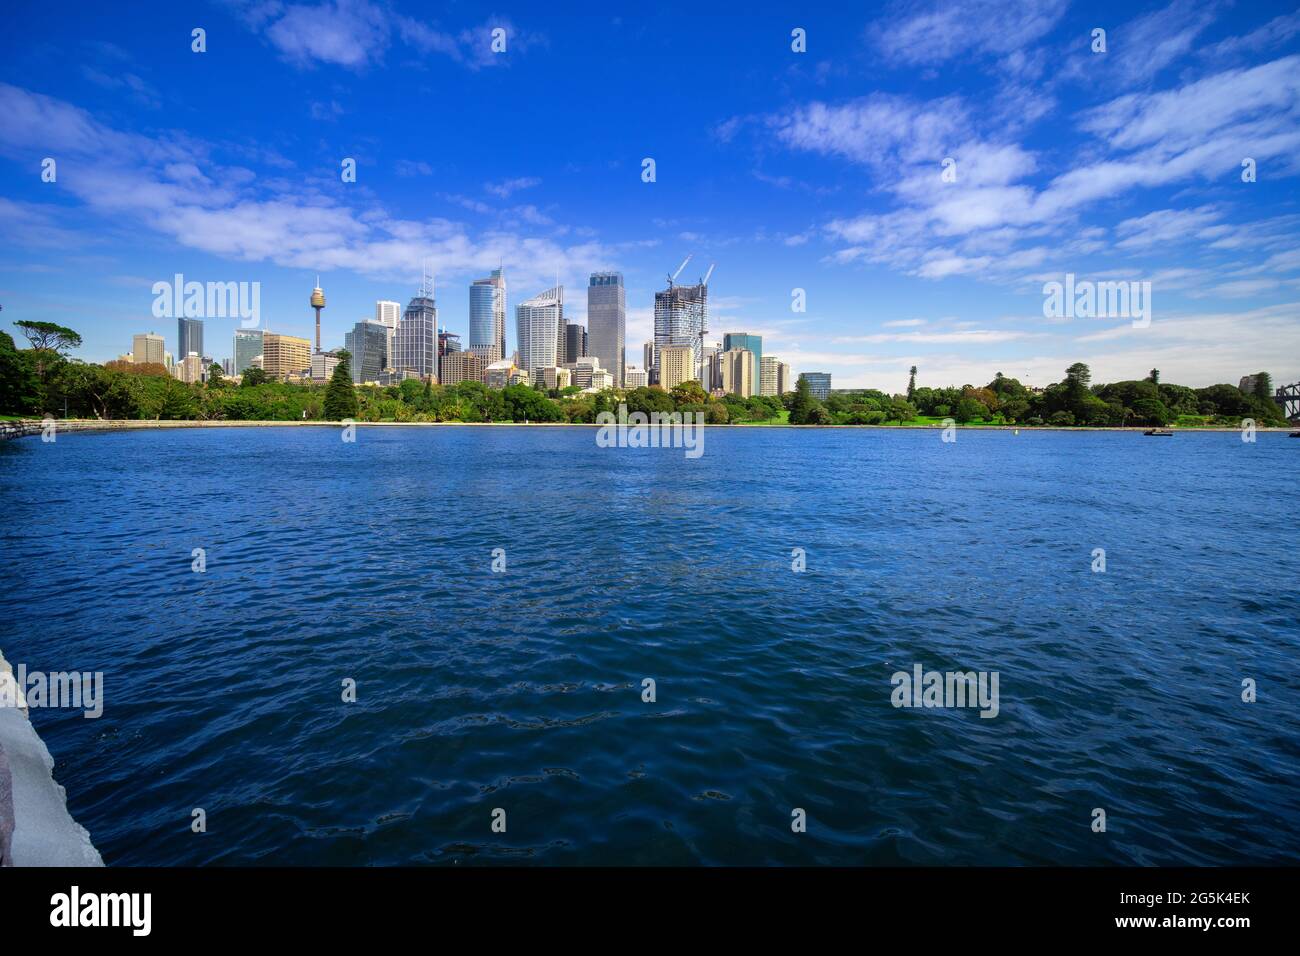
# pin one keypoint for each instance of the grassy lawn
(937, 420)
(782, 419)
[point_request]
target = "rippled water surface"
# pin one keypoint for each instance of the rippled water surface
(523, 690)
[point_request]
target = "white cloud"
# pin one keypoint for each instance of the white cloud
(355, 34)
(944, 30)
(348, 33)
(504, 188)
(172, 187)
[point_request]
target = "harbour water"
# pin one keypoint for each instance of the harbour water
(522, 688)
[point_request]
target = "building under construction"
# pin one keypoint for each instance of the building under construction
(682, 318)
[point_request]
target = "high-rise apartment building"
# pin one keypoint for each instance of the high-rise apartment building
(745, 340)
(487, 316)
(462, 367)
(607, 322)
(368, 345)
(148, 347)
(448, 344)
(769, 371)
(189, 336)
(190, 369)
(709, 379)
(676, 365)
(538, 322)
(784, 380)
(285, 355)
(737, 370)
(415, 346)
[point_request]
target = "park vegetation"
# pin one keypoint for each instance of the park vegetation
(43, 379)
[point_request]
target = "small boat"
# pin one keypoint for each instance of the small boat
(1158, 432)
(1295, 434)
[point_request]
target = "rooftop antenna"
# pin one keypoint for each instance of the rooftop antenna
(673, 278)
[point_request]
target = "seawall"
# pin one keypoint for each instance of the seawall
(34, 427)
(35, 826)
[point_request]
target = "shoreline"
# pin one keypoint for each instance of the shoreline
(36, 827)
(29, 427)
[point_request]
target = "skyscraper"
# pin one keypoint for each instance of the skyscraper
(538, 322)
(461, 367)
(768, 375)
(415, 346)
(737, 367)
(709, 374)
(575, 343)
(448, 344)
(388, 314)
(682, 317)
(285, 355)
(487, 316)
(248, 346)
(368, 345)
(744, 340)
(189, 337)
(147, 348)
(607, 322)
(676, 365)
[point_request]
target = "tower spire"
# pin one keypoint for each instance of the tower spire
(317, 303)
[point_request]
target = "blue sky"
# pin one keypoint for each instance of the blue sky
(819, 171)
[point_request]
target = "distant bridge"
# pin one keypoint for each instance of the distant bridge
(1288, 396)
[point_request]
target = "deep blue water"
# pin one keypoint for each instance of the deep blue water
(522, 690)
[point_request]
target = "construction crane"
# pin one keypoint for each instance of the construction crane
(705, 280)
(673, 278)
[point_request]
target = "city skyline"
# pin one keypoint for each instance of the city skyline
(1064, 161)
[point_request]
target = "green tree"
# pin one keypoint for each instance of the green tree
(176, 401)
(341, 394)
(215, 377)
(968, 409)
(1264, 386)
(689, 393)
(254, 375)
(49, 336)
(1077, 377)
(1151, 411)
(50, 342)
(804, 405)
(19, 386)
(911, 383)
